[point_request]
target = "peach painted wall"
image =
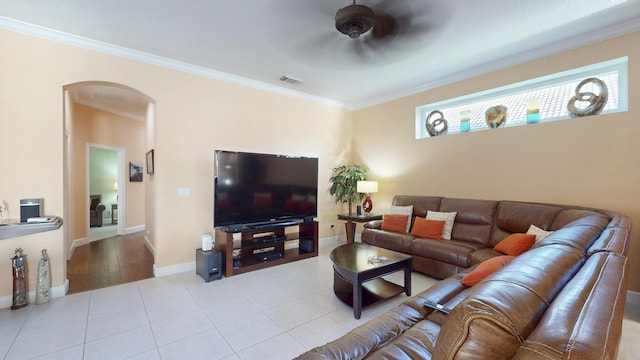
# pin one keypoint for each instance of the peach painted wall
(592, 161)
(150, 195)
(193, 116)
(80, 137)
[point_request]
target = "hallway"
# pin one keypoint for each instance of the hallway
(111, 261)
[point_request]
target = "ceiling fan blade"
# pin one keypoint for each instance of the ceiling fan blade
(384, 26)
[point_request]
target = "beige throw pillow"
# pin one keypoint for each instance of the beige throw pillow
(448, 218)
(539, 233)
(403, 210)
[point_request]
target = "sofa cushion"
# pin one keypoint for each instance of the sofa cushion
(447, 217)
(395, 223)
(451, 252)
(613, 240)
(421, 204)
(500, 312)
(516, 217)
(483, 254)
(515, 244)
(425, 228)
(474, 219)
(388, 240)
(570, 217)
(577, 235)
(485, 269)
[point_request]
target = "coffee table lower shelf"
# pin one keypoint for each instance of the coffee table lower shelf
(373, 291)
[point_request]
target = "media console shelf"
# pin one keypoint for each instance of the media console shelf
(265, 247)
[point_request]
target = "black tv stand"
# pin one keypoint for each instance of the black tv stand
(268, 245)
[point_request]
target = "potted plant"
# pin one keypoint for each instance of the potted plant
(344, 184)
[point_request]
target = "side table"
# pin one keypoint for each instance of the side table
(352, 220)
(209, 264)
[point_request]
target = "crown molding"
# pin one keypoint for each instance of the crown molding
(102, 47)
(106, 48)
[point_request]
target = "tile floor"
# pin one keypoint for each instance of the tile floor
(275, 313)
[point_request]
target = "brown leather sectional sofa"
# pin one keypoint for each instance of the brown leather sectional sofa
(562, 299)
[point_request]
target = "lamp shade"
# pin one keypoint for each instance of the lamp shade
(367, 187)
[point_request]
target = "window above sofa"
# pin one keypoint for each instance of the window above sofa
(552, 92)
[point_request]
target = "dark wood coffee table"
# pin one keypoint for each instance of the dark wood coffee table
(357, 274)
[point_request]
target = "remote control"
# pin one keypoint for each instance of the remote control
(436, 306)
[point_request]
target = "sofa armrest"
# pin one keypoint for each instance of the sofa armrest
(373, 224)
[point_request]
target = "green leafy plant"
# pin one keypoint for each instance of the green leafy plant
(344, 183)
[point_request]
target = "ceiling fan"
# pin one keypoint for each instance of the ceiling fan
(355, 20)
(372, 32)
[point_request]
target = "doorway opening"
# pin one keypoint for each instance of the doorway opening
(105, 168)
(106, 127)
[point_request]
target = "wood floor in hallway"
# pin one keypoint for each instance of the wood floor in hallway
(107, 262)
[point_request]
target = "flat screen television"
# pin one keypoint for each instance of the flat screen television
(254, 190)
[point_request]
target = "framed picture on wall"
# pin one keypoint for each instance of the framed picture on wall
(150, 162)
(135, 172)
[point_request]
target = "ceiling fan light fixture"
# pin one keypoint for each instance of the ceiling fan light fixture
(354, 20)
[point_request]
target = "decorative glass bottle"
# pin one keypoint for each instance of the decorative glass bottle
(44, 279)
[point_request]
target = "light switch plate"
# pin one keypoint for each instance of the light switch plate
(184, 191)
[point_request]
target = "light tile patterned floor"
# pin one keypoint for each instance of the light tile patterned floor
(275, 313)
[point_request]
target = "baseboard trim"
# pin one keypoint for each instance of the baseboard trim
(149, 246)
(56, 292)
(191, 266)
(134, 229)
(174, 269)
(76, 243)
(332, 240)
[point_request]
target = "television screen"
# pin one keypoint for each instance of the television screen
(253, 189)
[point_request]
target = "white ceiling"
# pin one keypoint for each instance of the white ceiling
(255, 42)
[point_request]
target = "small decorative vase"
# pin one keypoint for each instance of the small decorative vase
(19, 263)
(367, 205)
(44, 280)
(496, 116)
(465, 121)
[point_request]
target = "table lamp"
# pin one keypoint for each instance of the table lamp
(367, 187)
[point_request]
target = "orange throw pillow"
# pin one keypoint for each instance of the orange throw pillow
(425, 228)
(485, 269)
(515, 244)
(395, 223)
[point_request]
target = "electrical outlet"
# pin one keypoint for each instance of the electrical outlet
(331, 226)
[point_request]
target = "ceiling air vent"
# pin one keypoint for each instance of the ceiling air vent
(290, 80)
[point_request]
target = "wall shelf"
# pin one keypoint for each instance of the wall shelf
(13, 228)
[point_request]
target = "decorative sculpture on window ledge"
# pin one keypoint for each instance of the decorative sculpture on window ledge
(596, 102)
(496, 116)
(437, 127)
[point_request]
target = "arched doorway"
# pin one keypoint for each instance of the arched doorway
(118, 117)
